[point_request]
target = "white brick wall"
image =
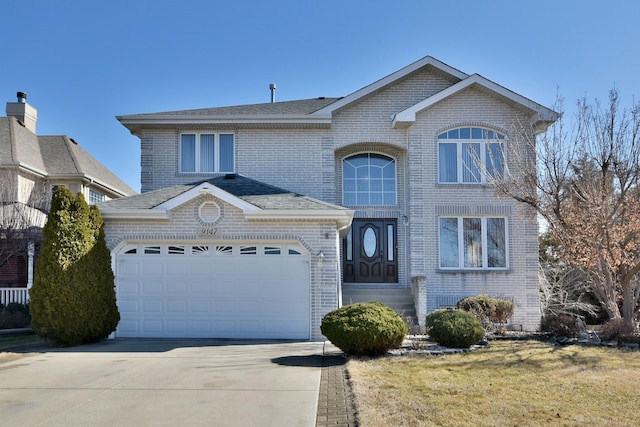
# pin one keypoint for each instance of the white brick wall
(184, 226)
(308, 161)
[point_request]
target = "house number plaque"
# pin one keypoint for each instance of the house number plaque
(209, 232)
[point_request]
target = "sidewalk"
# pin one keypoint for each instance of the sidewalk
(336, 405)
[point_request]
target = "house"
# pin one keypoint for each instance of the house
(30, 166)
(256, 220)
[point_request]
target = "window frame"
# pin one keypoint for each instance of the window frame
(460, 241)
(95, 197)
(217, 158)
(368, 155)
(484, 153)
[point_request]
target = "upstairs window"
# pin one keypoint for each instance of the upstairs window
(95, 197)
(206, 152)
(369, 180)
(470, 155)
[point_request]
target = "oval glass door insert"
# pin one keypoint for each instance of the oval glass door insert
(370, 242)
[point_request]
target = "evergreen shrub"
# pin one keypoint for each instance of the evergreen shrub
(73, 296)
(364, 329)
(454, 328)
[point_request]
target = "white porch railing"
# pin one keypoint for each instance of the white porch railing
(9, 295)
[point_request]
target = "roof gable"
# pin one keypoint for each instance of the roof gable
(541, 116)
(426, 62)
(54, 156)
(255, 199)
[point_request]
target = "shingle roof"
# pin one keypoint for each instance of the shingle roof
(53, 156)
(257, 193)
(299, 107)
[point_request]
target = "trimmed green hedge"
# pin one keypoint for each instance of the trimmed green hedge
(364, 329)
(454, 328)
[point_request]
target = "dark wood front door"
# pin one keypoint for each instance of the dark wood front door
(370, 254)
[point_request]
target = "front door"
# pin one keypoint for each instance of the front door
(370, 254)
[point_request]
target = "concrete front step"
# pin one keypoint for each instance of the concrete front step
(399, 299)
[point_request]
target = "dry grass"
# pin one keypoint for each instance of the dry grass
(527, 383)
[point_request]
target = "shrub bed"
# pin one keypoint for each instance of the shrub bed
(14, 315)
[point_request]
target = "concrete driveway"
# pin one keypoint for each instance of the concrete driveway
(129, 382)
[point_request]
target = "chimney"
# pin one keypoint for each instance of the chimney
(272, 87)
(24, 112)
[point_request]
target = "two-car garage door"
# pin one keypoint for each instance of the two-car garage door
(213, 291)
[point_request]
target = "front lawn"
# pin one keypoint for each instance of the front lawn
(10, 342)
(511, 383)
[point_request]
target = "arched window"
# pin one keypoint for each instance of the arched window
(470, 155)
(369, 179)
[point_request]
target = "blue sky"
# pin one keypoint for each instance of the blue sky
(84, 62)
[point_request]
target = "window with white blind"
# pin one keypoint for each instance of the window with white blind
(202, 152)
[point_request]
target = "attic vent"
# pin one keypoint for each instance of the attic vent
(209, 212)
(230, 176)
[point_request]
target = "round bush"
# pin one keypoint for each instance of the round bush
(454, 328)
(493, 309)
(560, 325)
(364, 329)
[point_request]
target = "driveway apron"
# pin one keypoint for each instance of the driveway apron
(129, 382)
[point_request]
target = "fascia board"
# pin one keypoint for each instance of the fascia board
(343, 217)
(221, 120)
(206, 188)
(407, 117)
(24, 166)
(428, 60)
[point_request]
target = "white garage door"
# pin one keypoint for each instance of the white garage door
(213, 291)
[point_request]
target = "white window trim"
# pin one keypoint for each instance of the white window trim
(99, 195)
(460, 167)
(216, 152)
(485, 252)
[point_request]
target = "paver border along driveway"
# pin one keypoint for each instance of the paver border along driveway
(144, 382)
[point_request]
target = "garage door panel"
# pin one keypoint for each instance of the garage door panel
(200, 327)
(176, 269)
(214, 295)
(177, 289)
(225, 289)
(200, 288)
(152, 307)
(151, 288)
(174, 306)
(128, 267)
(201, 268)
(154, 327)
(128, 306)
(152, 267)
(177, 326)
(128, 287)
(200, 307)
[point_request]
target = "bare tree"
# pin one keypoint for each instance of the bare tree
(24, 204)
(585, 186)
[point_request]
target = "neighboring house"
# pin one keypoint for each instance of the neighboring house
(30, 166)
(397, 199)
